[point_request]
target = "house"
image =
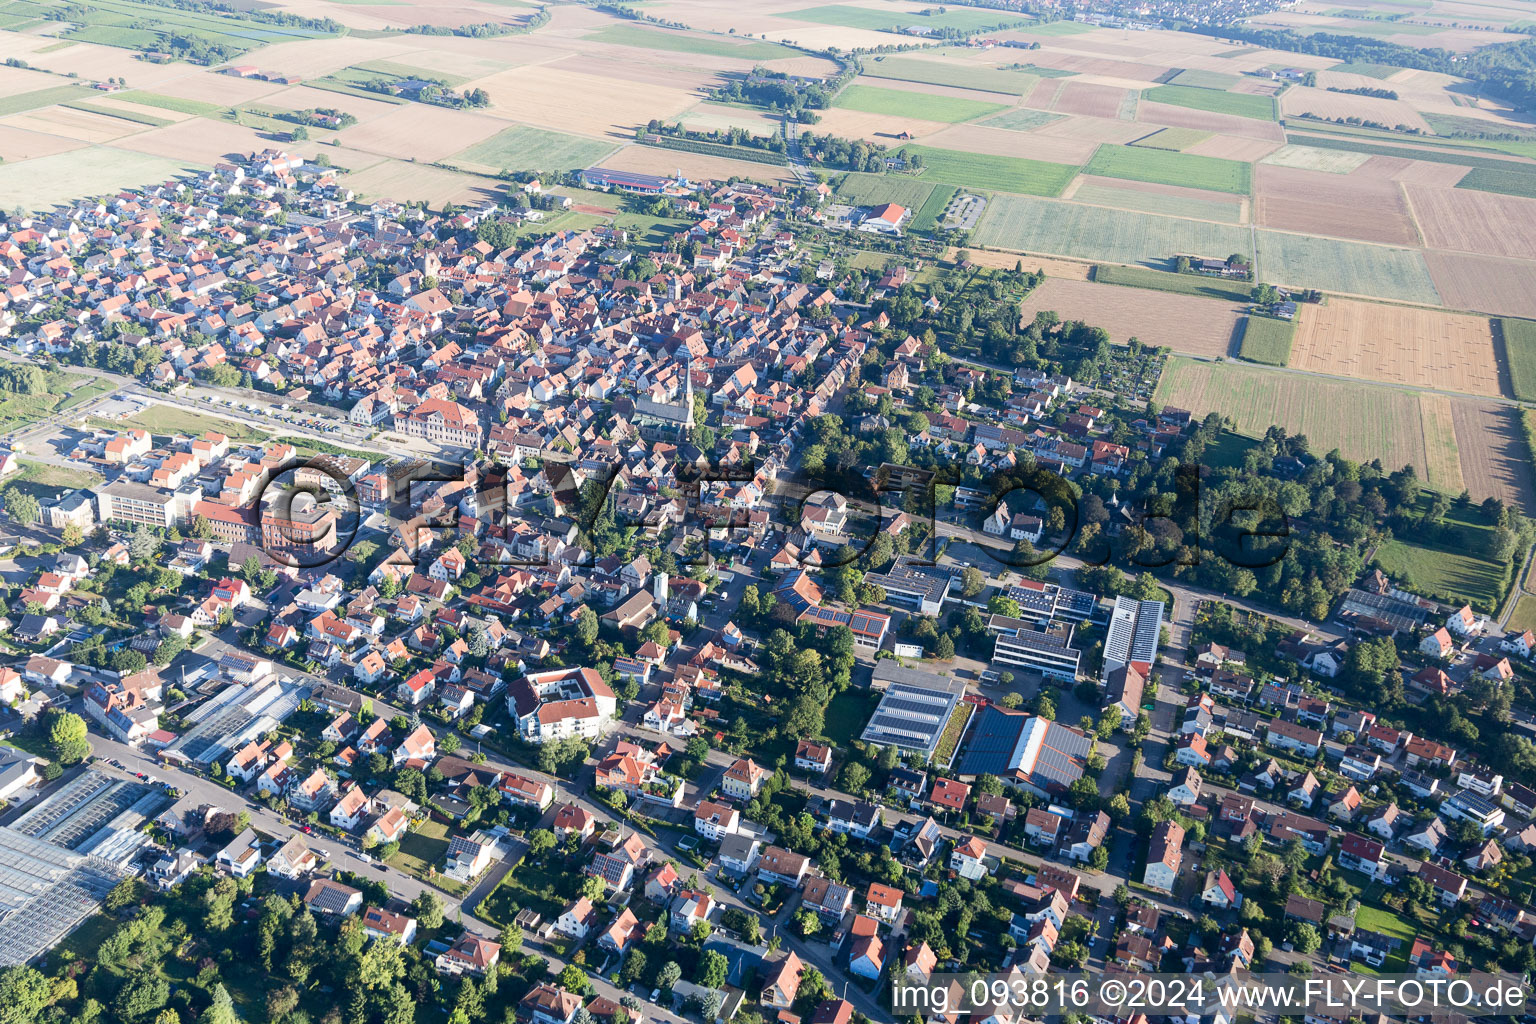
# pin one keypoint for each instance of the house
(744, 779)
(1290, 736)
(1366, 856)
(350, 809)
(241, 856)
(883, 902)
(1087, 834)
(712, 820)
(813, 757)
(1186, 788)
(1346, 805)
(1437, 644)
(691, 907)
(1191, 751)
(831, 900)
(857, 818)
(1218, 891)
(379, 923)
(738, 853)
(866, 956)
(1164, 854)
(293, 860)
(617, 866)
(949, 795)
(1428, 836)
(780, 981)
(968, 859)
(1448, 885)
(332, 899)
(548, 1004)
(620, 932)
(1383, 823)
(780, 865)
(473, 955)
(468, 856)
(1042, 827)
(571, 820)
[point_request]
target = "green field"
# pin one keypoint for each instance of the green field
(961, 76)
(927, 215)
(1058, 28)
(649, 233)
(921, 105)
(1520, 351)
(867, 17)
(1240, 104)
(1104, 194)
(682, 42)
(522, 148)
(63, 390)
(873, 189)
(176, 103)
(51, 96)
(1197, 79)
(127, 24)
(1422, 147)
(1267, 340)
(1022, 119)
(1174, 139)
(985, 171)
(1167, 168)
(1363, 421)
(1165, 281)
(1510, 183)
(1445, 570)
(1097, 233)
(1524, 615)
(1304, 261)
(132, 116)
(390, 69)
(170, 419)
(1368, 70)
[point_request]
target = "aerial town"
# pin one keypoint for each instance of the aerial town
(596, 676)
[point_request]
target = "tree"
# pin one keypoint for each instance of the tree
(944, 648)
(540, 840)
(221, 1010)
(1099, 858)
(713, 969)
(141, 996)
(972, 581)
(22, 507)
(1304, 937)
(669, 975)
(144, 545)
(586, 626)
(594, 888)
(124, 894)
(24, 991)
(67, 738)
(428, 910)
(855, 777)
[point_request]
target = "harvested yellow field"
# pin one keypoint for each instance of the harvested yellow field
(858, 124)
(696, 166)
(421, 131)
(129, 107)
(974, 138)
(1322, 103)
(301, 97)
(315, 58)
(585, 104)
(80, 125)
(23, 144)
(201, 139)
(1423, 348)
(1442, 456)
(225, 90)
(408, 182)
(1234, 147)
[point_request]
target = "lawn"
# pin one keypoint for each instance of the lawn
(63, 390)
(846, 716)
(921, 105)
(889, 21)
(1377, 919)
(46, 482)
(422, 850)
(682, 42)
(962, 76)
(1520, 351)
(1368, 70)
(170, 419)
(1002, 173)
(1171, 168)
(1267, 340)
(522, 148)
(1241, 104)
(1444, 570)
(647, 232)
(1164, 281)
(1524, 615)
(529, 886)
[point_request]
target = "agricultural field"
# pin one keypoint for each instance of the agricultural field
(985, 171)
(872, 189)
(180, 105)
(1197, 79)
(1311, 158)
(1267, 340)
(1520, 350)
(686, 42)
(927, 215)
(847, 16)
(1495, 458)
(1445, 570)
(1182, 323)
(39, 98)
(1100, 234)
(960, 76)
(1486, 284)
(1022, 119)
(924, 106)
(1175, 139)
(1167, 200)
(1363, 206)
(1168, 281)
(1363, 421)
(63, 177)
(1166, 168)
(522, 148)
(1426, 348)
(1303, 261)
(122, 23)
(1239, 104)
(1524, 615)
(1491, 179)
(1478, 222)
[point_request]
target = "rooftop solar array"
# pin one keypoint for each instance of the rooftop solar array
(911, 716)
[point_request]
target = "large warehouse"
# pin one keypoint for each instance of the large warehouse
(1026, 750)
